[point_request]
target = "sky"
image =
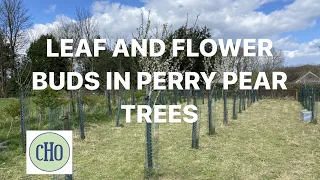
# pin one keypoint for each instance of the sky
(292, 25)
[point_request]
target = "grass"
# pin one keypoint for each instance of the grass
(267, 141)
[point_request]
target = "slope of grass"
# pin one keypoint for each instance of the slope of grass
(267, 141)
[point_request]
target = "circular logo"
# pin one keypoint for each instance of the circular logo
(49, 152)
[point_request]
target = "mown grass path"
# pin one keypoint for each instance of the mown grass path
(267, 141)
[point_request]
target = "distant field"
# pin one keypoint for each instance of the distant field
(267, 141)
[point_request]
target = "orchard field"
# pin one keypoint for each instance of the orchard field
(266, 141)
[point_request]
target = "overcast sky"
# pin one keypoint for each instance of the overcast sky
(293, 26)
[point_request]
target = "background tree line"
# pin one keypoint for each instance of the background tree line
(17, 63)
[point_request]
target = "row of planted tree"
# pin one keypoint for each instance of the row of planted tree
(240, 101)
(54, 110)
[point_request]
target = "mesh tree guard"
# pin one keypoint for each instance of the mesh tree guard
(175, 95)
(225, 110)
(149, 160)
(244, 101)
(81, 117)
(240, 102)
(195, 138)
(234, 109)
(23, 120)
(109, 102)
(210, 124)
(133, 99)
(155, 134)
(202, 94)
(189, 96)
(119, 112)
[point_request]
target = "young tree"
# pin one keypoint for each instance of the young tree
(151, 64)
(21, 74)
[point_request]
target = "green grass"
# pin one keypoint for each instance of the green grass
(267, 141)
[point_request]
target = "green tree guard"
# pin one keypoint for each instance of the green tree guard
(304, 97)
(149, 146)
(313, 104)
(251, 97)
(175, 95)
(133, 100)
(81, 117)
(165, 97)
(149, 140)
(213, 107)
(202, 94)
(259, 95)
(119, 112)
(240, 102)
(68, 177)
(109, 102)
(22, 121)
(155, 140)
(308, 99)
(225, 113)
(255, 95)
(244, 101)
(69, 124)
(301, 95)
(216, 96)
(171, 98)
(248, 98)
(234, 113)
(195, 139)
(189, 97)
(125, 97)
(161, 98)
(211, 131)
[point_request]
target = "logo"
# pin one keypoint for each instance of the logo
(49, 152)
